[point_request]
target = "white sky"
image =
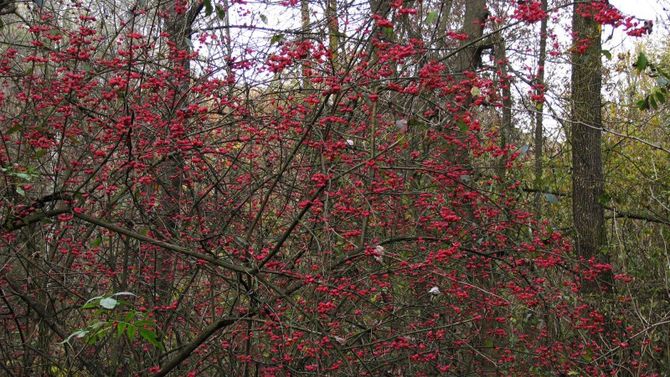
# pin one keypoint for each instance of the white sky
(647, 9)
(644, 10)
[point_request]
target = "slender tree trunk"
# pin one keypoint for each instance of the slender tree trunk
(304, 17)
(172, 168)
(587, 170)
(539, 116)
(445, 15)
(506, 128)
(333, 32)
(469, 59)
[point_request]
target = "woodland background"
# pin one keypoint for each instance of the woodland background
(329, 187)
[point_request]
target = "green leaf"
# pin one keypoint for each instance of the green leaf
(462, 126)
(607, 54)
(431, 18)
(604, 199)
(641, 63)
(97, 325)
(151, 337)
(412, 123)
(264, 18)
(77, 334)
(388, 33)
(143, 323)
(643, 104)
(108, 303)
(220, 11)
(20, 191)
(39, 153)
(587, 355)
(660, 97)
(276, 38)
(652, 102)
(92, 303)
(95, 242)
(208, 7)
(80, 333)
(24, 176)
(120, 328)
(14, 128)
(132, 330)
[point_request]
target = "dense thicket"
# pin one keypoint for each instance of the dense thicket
(209, 188)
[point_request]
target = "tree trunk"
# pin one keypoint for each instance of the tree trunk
(539, 116)
(587, 170)
(305, 28)
(469, 58)
(333, 32)
(506, 127)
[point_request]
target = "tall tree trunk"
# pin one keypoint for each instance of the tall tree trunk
(443, 23)
(587, 170)
(506, 127)
(304, 17)
(474, 19)
(469, 59)
(178, 26)
(539, 116)
(333, 32)
(171, 169)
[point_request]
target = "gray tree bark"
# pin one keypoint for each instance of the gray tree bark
(587, 168)
(539, 116)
